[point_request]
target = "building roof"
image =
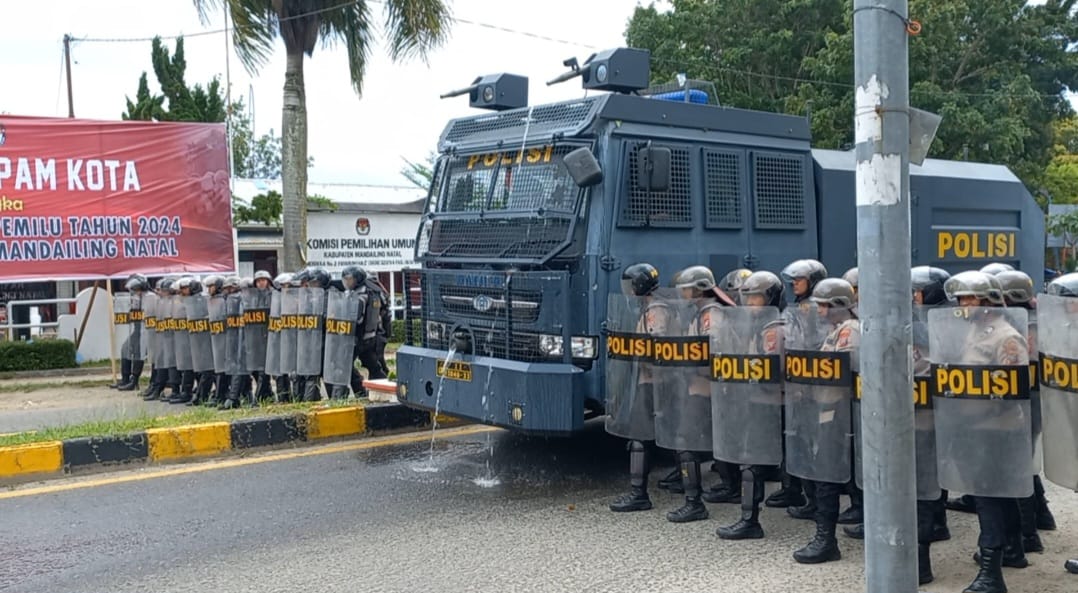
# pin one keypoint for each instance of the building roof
(349, 197)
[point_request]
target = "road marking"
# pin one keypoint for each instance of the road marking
(371, 443)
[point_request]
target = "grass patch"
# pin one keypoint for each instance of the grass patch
(30, 387)
(199, 415)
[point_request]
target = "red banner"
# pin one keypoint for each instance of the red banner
(92, 199)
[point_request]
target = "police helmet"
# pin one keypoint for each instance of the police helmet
(353, 277)
(185, 282)
(136, 282)
(319, 277)
(282, 280)
(996, 267)
(174, 284)
(766, 284)
(263, 274)
(215, 281)
(301, 276)
(231, 282)
(974, 283)
(247, 282)
(835, 293)
(196, 286)
(851, 277)
(698, 277)
(1017, 287)
(929, 281)
(810, 269)
(639, 279)
(1064, 286)
(163, 284)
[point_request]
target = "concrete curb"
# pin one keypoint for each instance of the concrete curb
(22, 463)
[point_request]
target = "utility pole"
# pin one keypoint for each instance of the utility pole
(882, 136)
(67, 68)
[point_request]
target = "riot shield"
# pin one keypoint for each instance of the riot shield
(342, 311)
(309, 332)
(984, 442)
(149, 325)
(198, 326)
(924, 423)
(218, 320)
(136, 340)
(630, 387)
(235, 360)
(1058, 342)
(290, 297)
(819, 387)
(121, 322)
(273, 336)
(682, 385)
(181, 337)
(166, 346)
(746, 387)
(1035, 392)
(256, 305)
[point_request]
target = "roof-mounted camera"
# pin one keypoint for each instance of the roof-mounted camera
(621, 70)
(495, 91)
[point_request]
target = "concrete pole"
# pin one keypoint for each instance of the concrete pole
(67, 69)
(882, 131)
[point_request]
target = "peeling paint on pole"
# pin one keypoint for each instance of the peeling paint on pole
(868, 120)
(878, 180)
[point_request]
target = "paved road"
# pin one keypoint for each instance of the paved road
(499, 512)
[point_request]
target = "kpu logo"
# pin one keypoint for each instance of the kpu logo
(363, 226)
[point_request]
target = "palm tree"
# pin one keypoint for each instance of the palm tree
(412, 28)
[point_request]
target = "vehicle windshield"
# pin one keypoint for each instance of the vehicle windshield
(522, 180)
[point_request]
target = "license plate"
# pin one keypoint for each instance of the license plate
(457, 371)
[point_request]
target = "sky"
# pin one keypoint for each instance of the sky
(352, 139)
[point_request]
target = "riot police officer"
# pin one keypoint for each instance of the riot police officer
(803, 275)
(133, 350)
(856, 511)
(214, 287)
(356, 280)
(163, 347)
(258, 333)
(317, 281)
(747, 406)
(835, 300)
(634, 313)
(182, 338)
(282, 379)
(733, 280)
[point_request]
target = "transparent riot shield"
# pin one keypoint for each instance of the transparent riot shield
(746, 386)
(198, 326)
(984, 442)
(273, 336)
(924, 423)
(290, 297)
(683, 387)
(1058, 342)
(256, 303)
(149, 325)
(235, 360)
(342, 312)
(181, 337)
(121, 323)
(819, 387)
(1035, 392)
(166, 346)
(218, 322)
(136, 340)
(310, 331)
(631, 323)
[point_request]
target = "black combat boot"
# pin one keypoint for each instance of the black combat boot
(752, 494)
(693, 509)
(312, 391)
(808, 510)
(172, 382)
(989, 578)
(1027, 509)
(125, 374)
(1071, 566)
(338, 392)
(133, 376)
(824, 546)
(157, 383)
(924, 564)
(232, 398)
(855, 531)
(940, 531)
(154, 373)
(789, 495)
(187, 384)
(672, 481)
(356, 381)
(284, 389)
(727, 490)
(1013, 555)
(220, 395)
(965, 504)
(265, 387)
(856, 512)
(637, 499)
(1045, 520)
(202, 393)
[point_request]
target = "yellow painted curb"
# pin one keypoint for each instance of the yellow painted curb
(446, 421)
(189, 441)
(336, 422)
(35, 458)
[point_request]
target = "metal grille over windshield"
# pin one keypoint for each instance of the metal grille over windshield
(516, 205)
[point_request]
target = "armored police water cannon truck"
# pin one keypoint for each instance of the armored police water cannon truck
(535, 210)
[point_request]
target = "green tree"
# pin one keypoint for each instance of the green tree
(1065, 226)
(419, 174)
(266, 208)
(1061, 175)
(147, 106)
(411, 28)
(996, 70)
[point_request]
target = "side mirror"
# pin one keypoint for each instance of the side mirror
(653, 168)
(583, 167)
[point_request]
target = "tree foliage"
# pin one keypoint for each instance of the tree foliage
(266, 208)
(419, 174)
(996, 70)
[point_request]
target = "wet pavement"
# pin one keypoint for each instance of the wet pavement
(493, 511)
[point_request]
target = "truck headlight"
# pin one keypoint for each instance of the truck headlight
(583, 346)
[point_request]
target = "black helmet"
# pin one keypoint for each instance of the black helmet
(995, 268)
(320, 277)
(929, 281)
(732, 281)
(639, 279)
(354, 275)
(1017, 287)
(1064, 286)
(834, 292)
(766, 284)
(810, 269)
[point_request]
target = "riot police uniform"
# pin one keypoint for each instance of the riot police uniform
(803, 275)
(309, 345)
(182, 340)
(133, 349)
(633, 314)
(216, 300)
(257, 334)
(163, 356)
(364, 340)
(747, 398)
(235, 379)
(274, 342)
(377, 323)
(819, 420)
